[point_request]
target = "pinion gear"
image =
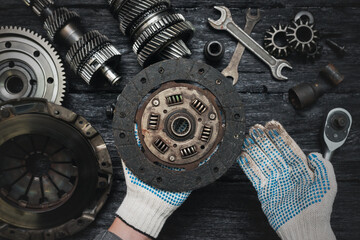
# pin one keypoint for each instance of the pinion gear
(275, 41)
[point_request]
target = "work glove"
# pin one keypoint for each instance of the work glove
(296, 192)
(146, 208)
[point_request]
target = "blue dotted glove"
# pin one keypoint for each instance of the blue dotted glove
(146, 208)
(296, 192)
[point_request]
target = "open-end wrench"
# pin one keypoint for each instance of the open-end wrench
(232, 70)
(226, 23)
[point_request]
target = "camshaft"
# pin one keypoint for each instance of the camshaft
(156, 31)
(90, 55)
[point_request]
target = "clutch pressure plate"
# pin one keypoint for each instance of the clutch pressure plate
(55, 171)
(179, 125)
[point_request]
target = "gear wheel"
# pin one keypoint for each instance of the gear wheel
(153, 28)
(162, 40)
(275, 41)
(314, 53)
(56, 21)
(52, 162)
(302, 36)
(29, 66)
(39, 5)
(90, 55)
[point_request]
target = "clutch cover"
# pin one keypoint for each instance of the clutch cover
(55, 171)
(179, 125)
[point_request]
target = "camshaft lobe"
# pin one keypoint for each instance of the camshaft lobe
(156, 32)
(91, 55)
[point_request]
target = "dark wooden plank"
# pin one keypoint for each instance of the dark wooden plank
(229, 208)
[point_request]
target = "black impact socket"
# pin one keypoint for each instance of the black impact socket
(306, 94)
(214, 51)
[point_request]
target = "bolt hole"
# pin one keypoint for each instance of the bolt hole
(199, 119)
(216, 169)
(141, 169)
(8, 44)
(218, 81)
(103, 164)
(81, 122)
(237, 116)
(33, 82)
(50, 80)
(161, 70)
(57, 112)
(165, 111)
(202, 147)
(159, 179)
(201, 71)
(143, 80)
(36, 54)
(122, 135)
(11, 64)
(175, 145)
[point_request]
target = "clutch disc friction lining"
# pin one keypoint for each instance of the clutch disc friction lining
(55, 171)
(189, 120)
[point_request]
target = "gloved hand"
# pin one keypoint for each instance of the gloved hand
(146, 208)
(296, 193)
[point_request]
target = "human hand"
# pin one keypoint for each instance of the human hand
(296, 192)
(146, 208)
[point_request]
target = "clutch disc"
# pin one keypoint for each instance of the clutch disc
(29, 66)
(55, 171)
(179, 125)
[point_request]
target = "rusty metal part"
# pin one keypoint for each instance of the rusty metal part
(55, 171)
(232, 70)
(332, 74)
(214, 50)
(195, 107)
(172, 123)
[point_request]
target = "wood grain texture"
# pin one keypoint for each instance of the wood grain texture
(229, 208)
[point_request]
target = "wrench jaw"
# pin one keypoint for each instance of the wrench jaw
(220, 24)
(250, 17)
(277, 69)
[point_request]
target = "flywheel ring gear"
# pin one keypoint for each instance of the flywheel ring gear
(29, 66)
(179, 71)
(52, 162)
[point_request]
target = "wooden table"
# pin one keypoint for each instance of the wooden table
(229, 208)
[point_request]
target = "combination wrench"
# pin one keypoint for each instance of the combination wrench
(227, 23)
(232, 70)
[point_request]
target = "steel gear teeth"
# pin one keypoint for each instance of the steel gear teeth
(39, 6)
(272, 38)
(302, 36)
(135, 9)
(90, 54)
(156, 32)
(48, 83)
(314, 53)
(155, 28)
(55, 22)
(163, 39)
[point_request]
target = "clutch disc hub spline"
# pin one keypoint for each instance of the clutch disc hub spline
(55, 171)
(134, 102)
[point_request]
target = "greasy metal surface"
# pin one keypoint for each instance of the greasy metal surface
(52, 162)
(153, 77)
(29, 66)
(180, 125)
